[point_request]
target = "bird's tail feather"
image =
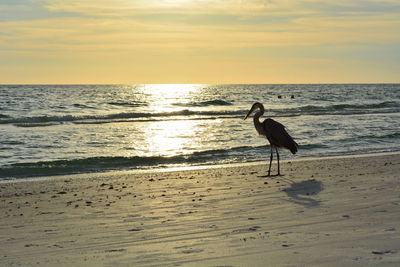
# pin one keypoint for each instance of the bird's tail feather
(291, 144)
(293, 147)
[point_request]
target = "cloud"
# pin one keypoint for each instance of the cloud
(236, 33)
(246, 8)
(104, 7)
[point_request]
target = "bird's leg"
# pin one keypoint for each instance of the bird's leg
(270, 162)
(277, 156)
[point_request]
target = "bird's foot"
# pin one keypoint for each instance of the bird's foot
(270, 175)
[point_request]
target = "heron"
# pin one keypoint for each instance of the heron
(274, 131)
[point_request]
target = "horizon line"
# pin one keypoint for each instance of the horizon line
(344, 83)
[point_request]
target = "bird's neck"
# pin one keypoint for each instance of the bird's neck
(258, 125)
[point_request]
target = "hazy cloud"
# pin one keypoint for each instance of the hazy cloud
(242, 33)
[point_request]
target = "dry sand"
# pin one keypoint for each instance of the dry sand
(326, 212)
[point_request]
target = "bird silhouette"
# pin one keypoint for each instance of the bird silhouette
(274, 131)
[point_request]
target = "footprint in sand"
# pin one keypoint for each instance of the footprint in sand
(115, 250)
(191, 251)
(383, 252)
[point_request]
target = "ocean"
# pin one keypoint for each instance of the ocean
(66, 129)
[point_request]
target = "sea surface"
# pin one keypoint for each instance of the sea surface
(63, 129)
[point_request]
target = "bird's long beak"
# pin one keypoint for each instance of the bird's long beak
(248, 114)
(250, 111)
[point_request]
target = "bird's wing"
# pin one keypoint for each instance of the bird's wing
(278, 136)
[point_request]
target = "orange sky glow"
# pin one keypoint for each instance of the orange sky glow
(202, 41)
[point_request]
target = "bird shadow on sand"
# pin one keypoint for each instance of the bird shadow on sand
(301, 193)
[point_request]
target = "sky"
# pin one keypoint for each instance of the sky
(199, 41)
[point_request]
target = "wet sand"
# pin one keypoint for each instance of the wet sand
(342, 211)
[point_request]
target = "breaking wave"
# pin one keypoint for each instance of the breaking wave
(100, 164)
(215, 102)
(130, 116)
(128, 104)
(340, 109)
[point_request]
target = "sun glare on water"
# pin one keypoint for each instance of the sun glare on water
(169, 135)
(170, 90)
(167, 97)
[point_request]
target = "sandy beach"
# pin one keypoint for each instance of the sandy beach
(342, 211)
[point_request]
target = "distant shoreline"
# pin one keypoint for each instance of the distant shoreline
(79, 84)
